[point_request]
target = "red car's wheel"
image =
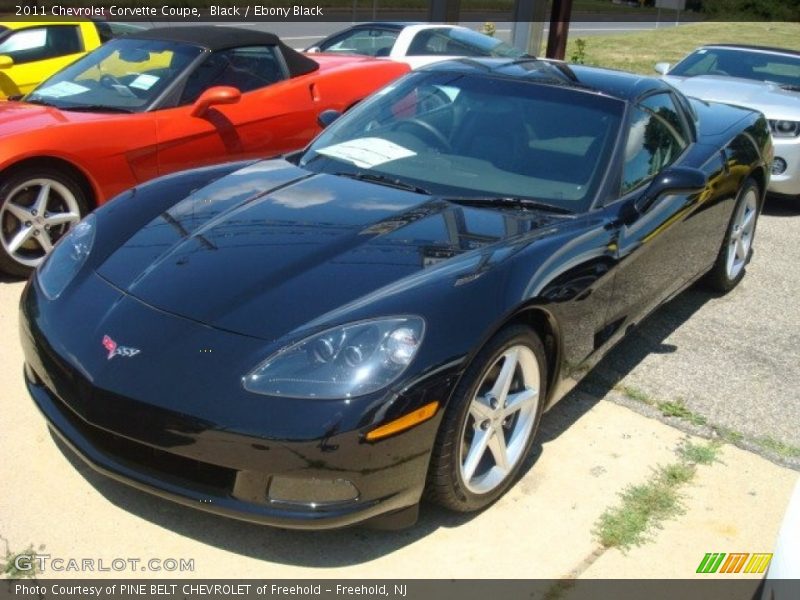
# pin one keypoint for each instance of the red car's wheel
(37, 207)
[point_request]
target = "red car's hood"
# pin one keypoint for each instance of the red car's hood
(21, 117)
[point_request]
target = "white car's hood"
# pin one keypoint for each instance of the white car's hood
(769, 98)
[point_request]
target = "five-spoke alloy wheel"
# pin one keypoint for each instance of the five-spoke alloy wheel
(737, 247)
(489, 426)
(37, 207)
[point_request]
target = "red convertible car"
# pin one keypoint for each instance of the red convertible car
(153, 103)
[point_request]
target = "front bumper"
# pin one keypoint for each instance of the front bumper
(229, 465)
(103, 451)
(788, 182)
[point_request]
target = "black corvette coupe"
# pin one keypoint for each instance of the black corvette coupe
(321, 339)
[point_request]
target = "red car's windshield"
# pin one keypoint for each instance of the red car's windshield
(124, 75)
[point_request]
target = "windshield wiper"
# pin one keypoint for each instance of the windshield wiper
(791, 87)
(40, 102)
(385, 180)
(510, 201)
(97, 108)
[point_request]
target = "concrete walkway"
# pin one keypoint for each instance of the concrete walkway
(589, 451)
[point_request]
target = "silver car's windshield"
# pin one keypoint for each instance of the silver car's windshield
(758, 65)
(468, 135)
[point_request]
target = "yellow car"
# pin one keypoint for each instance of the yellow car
(32, 52)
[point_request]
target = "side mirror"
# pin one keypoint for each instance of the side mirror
(677, 180)
(662, 67)
(6, 62)
(326, 117)
(214, 96)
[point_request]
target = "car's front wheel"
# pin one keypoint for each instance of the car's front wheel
(737, 246)
(489, 426)
(37, 207)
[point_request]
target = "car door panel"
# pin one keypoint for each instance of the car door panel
(263, 123)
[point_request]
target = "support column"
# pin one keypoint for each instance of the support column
(559, 29)
(527, 27)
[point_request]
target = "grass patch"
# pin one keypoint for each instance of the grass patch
(639, 51)
(636, 394)
(699, 454)
(679, 410)
(644, 507)
(669, 408)
(8, 564)
(729, 435)
(778, 447)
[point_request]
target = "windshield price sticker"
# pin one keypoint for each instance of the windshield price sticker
(367, 152)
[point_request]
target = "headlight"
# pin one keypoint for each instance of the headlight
(67, 258)
(343, 362)
(784, 129)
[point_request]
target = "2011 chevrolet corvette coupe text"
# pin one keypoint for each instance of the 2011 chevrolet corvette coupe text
(155, 102)
(318, 340)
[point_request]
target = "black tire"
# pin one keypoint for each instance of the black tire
(445, 483)
(66, 191)
(721, 278)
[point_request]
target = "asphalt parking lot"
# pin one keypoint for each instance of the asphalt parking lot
(730, 362)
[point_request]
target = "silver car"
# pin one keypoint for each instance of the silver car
(764, 79)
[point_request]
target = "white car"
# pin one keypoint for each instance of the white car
(783, 578)
(415, 44)
(764, 79)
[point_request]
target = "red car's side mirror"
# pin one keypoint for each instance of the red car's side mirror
(213, 96)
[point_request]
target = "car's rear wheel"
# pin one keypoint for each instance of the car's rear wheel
(737, 247)
(489, 426)
(37, 207)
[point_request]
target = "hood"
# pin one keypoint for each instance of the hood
(768, 98)
(272, 247)
(22, 118)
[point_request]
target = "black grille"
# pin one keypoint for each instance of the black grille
(181, 470)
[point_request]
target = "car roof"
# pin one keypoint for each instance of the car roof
(772, 49)
(395, 25)
(27, 24)
(616, 84)
(210, 36)
(217, 38)
(619, 84)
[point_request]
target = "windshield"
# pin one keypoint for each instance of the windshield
(123, 75)
(464, 135)
(747, 64)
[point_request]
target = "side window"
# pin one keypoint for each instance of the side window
(664, 106)
(429, 41)
(247, 69)
(655, 139)
(42, 43)
(457, 47)
(441, 42)
(368, 42)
